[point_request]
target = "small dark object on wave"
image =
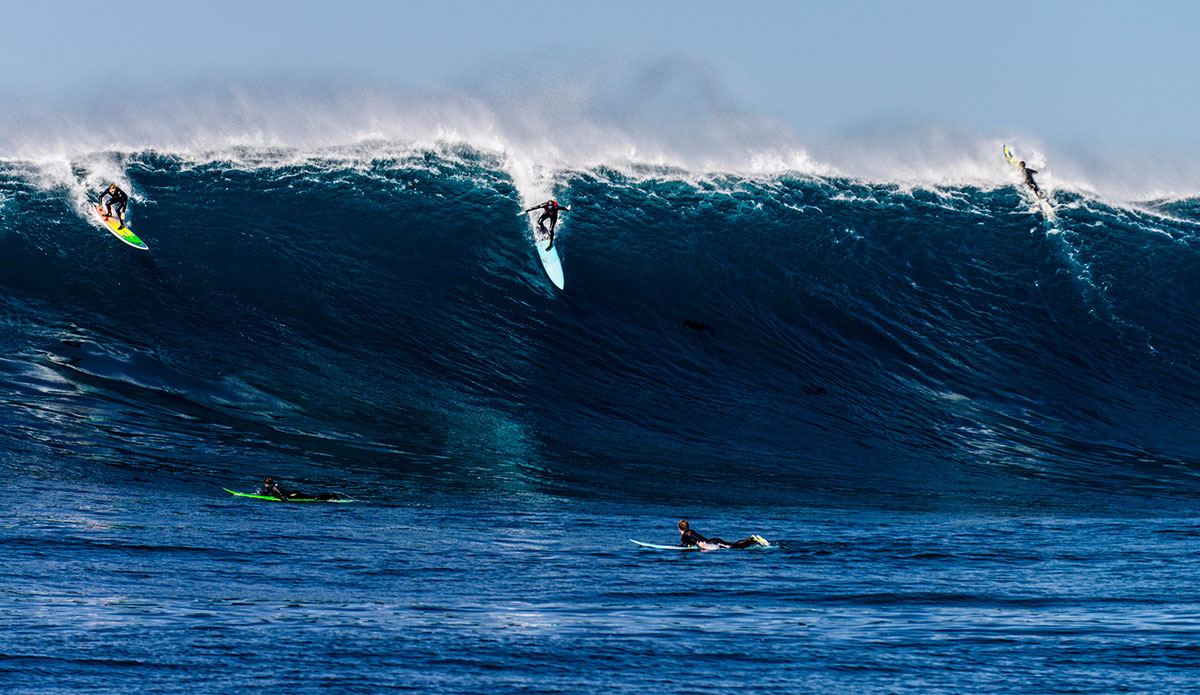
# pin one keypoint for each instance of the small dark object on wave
(698, 326)
(815, 390)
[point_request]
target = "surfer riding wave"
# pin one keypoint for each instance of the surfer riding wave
(550, 210)
(115, 197)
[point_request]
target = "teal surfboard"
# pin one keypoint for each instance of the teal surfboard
(664, 547)
(551, 263)
(270, 498)
(762, 543)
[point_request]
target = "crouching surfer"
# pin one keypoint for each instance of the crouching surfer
(550, 210)
(274, 489)
(115, 197)
(689, 538)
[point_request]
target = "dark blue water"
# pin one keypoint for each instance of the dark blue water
(969, 433)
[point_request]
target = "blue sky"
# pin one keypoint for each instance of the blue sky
(1061, 72)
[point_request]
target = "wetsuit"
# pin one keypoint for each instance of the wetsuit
(1029, 180)
(275, 490)
(690, 538)
(117, 197)
(550, 210)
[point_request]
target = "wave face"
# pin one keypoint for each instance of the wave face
(378, 314)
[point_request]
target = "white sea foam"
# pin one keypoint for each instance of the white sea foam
(667, 113)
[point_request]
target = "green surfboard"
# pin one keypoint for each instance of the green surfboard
(276, 499)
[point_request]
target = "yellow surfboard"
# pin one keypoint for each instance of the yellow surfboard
(120, 231)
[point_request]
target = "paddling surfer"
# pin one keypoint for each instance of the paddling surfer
(689, 538)
(274, 489)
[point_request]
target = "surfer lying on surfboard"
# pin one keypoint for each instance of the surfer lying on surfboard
(550, 210)
(689, 538)
(272, 488)
(115, 196)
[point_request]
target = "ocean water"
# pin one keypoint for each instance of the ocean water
(968, 433)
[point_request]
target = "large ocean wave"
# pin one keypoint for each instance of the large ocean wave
(784, 334)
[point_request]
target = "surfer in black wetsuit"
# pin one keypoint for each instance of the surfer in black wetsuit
(274, 489)
(550, 210)
(1029, 179)
(689, 538)
(115, 196)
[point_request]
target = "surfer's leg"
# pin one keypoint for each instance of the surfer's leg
(744, 543)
